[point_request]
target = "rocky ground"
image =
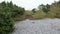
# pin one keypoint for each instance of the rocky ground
(43, 26)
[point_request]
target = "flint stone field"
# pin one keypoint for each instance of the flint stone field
(43, 26)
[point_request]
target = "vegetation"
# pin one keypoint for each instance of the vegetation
(8, 12)
(55, 10)
(39, 14)
(46, 11)
(34, 10)
(45, 8)
(28, 12)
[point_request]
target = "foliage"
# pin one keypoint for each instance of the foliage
(45, 8)
(55, 9)
(8, 12)
(39, 14)
(29, 12)
(34, 10)
(51, 15)
(6, 21)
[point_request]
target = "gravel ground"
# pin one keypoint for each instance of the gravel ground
(43, 26)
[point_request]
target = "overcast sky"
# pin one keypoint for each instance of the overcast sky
(30, 4)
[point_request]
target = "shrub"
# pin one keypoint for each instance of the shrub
(39, 14)
(29, 13)
(6, 21)
(6, 26)
(51, 15)
(8, 12)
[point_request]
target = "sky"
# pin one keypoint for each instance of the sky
(30, 4)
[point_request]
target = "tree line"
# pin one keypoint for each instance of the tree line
(51, 11)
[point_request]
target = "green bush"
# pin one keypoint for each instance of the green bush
(39, 14)
(6, 21)
(29, 13)
(6, 26)
(51, 15)
(8, 12)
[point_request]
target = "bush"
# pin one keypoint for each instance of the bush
(20, 18)
(6, 21)
(39, 14)
(6, 26)
(51, 15)
(8, 12)
(29, 13)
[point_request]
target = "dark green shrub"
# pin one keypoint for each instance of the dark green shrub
(6, 21)
(8, 12)
(6, 26)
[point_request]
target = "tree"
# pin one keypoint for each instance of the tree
(45, 8)
(3, 4)
(41, 6)
(34, 10)
(55, 9)
(48, 7)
